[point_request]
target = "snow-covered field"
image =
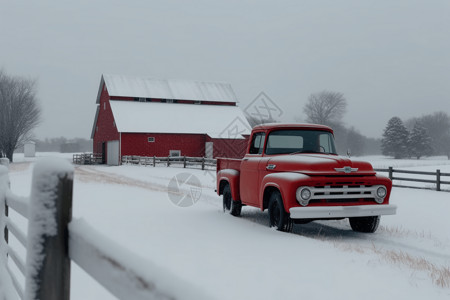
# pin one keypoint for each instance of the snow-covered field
(241, 258)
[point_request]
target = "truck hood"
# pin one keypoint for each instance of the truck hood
(319, 164)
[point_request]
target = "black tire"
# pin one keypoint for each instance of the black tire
(365, 224)
(229, 204)
(278, 217)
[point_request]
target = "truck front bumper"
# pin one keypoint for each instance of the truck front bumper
(331, 212)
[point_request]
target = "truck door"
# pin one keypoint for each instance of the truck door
(249, 177)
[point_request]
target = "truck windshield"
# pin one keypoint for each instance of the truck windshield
(300, 141)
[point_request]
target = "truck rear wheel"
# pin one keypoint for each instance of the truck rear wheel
(365, 224)
(229, 205)
(278, 217)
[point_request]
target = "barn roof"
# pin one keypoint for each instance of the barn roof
(141, 87)
(217, 121)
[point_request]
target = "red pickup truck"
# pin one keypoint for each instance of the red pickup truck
(293, 171)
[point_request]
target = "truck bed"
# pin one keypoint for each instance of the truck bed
(228, 163)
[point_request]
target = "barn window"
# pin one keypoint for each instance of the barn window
(175, 153)
(141, 99)
(198, 102)
(151, 139)
(104, 105)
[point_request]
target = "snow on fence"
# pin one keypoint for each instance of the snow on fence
(185, 161)
(53, 240)
(434, 178)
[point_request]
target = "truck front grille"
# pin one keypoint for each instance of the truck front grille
(343, 193)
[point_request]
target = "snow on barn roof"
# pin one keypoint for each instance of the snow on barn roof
(141, 87)
(217, 121)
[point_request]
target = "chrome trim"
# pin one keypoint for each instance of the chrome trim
(319, 212)
(343, 192)
(346, 169)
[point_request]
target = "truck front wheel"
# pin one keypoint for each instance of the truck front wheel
(278, 217)
(365, 224)
(229, 205)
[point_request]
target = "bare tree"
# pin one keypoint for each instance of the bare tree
(19, 112)
(325, 108)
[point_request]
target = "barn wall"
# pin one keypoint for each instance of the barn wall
(106, 129)
(229, 148)
(137, 144)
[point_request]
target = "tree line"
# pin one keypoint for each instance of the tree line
(62, 144)
(417, 137)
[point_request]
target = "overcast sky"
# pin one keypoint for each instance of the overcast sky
(387, 57)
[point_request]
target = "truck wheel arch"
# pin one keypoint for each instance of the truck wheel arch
(230, 177)
(268, 190)
(222, 185)
(285, 183)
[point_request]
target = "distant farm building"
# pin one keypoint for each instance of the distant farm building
(149, 117)
(29, 149)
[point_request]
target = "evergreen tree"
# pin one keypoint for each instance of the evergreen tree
(395, 139)
(420, 141)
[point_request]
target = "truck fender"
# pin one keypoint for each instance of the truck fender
(231, 177)
(285, 182)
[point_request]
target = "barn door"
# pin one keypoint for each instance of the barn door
(209, 149)
(112, 153)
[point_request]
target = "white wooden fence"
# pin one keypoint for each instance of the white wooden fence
(185, 161)
(87, 158)
(437, 179)
(53, 240)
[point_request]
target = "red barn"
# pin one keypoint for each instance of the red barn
(149, 117)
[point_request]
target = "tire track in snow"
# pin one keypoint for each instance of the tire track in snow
(89, 174)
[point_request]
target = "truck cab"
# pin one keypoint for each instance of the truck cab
(294, 172)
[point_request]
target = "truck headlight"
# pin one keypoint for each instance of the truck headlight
(381, 194)
(303, 195)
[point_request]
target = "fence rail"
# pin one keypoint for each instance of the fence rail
(436, 178)
(186, 161)
(53, 240)
(87, 158)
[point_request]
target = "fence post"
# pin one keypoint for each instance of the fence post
(6, 228)
(184, 162)
(391, 171)
(168, 160)
(48, 262)
(154, 161)
(4, 184)
(203, 163)
(438, 180)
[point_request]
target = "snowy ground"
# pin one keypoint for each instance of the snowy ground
(241, 258)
